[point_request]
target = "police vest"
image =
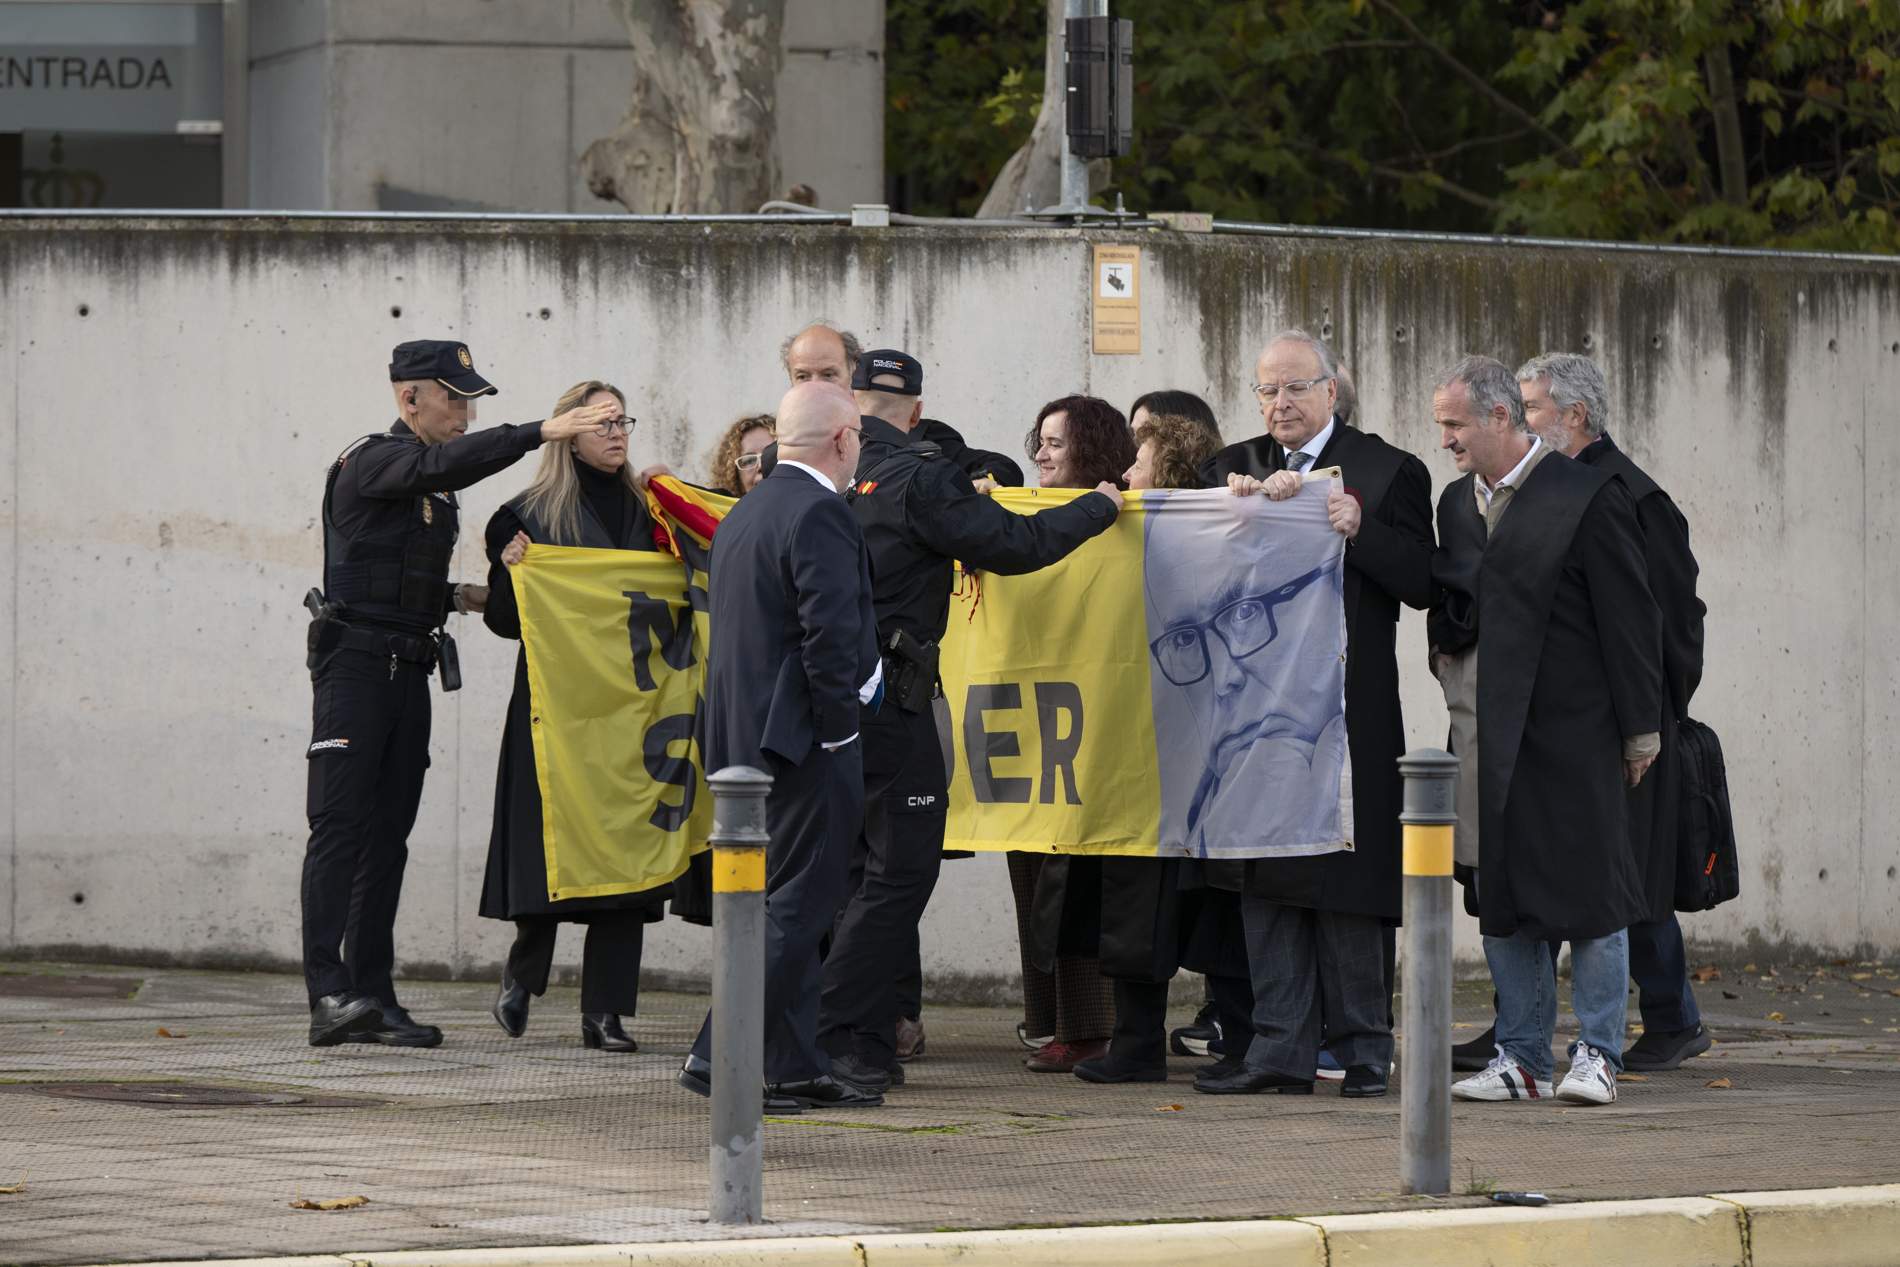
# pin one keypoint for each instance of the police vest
(395, 565)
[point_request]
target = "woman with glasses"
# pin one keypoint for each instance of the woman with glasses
(1068, 1009)
(584, 494)
(737, 462)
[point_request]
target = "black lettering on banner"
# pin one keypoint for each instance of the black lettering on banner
(1058, 750)
(647, 622)
(664, 767)
(980, 746)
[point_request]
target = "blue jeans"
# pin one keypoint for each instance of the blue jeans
(1526, 981)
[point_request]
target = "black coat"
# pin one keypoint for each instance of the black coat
(1389, 563)
(515, 885)
(1569, 665)
(1672, 572)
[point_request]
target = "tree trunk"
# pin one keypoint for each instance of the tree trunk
(701, 132)
(1730, 163)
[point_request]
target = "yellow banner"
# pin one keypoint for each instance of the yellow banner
(616, 662)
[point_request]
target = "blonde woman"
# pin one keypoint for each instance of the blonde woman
(584, 494)
(736, 464)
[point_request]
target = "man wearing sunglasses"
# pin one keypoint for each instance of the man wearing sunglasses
(1321, 928)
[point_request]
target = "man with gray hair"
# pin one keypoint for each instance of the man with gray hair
(1547, 559)
(820, 352)
(1567, 403)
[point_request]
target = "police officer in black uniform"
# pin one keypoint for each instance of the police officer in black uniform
(918, 511)
(389, 527)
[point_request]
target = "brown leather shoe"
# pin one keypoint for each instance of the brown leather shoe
(1064, 1057)
(910, 1038)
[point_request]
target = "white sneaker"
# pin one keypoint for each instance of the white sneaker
(1590, 1080)
(1502, 1079)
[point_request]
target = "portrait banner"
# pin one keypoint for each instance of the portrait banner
(1174, 688)
(615, 646)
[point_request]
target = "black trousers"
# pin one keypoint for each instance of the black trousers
(369, 751)
(1292, 952)
(894, 866)
(812, 813)
(610, 958)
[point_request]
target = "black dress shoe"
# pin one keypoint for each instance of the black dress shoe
(511, 1006)
(696, 1076)
(826, 1092)
(600, 1031)
(1363, 1082)
(1660, 1050)
(1472, 1056)
(1221, 1068)
(860, 1073)
(1116, 1068)
(337, 1017)
(398, 1029)
(1244, 1081)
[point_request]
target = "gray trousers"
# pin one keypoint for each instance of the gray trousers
(1291, 953)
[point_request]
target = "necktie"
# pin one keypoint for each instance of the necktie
(1297, 460)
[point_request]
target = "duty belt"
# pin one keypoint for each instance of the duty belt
(378, 642)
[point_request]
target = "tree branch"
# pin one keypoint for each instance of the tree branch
(1472, 77)
(1730, 162)
(1400, 174)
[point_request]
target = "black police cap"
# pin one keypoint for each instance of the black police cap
(889, 363)
(448, 363)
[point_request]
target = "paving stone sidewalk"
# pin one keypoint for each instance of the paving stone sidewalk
(157, 1113)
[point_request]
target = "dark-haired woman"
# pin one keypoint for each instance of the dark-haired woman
(584, 494)
(1077, 442)
(1181, 405)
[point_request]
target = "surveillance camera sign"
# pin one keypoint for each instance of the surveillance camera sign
(1116, 300)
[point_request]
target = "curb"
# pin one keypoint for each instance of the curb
(1826, 1227)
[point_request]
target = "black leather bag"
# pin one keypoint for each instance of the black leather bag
(1708, 873)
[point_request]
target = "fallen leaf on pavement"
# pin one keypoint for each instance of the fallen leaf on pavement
(1862, 976)
(1720, 1084)
(1632, 1077)
(1749, 967)
(165, 1033)
(1708, 972)
(1169, 1108)
(1730, 994)
(11, 1189)
(329, 1203)
(1776, 1016)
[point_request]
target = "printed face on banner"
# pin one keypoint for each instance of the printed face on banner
(1247, 682)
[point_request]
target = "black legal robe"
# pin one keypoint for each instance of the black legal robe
(1672, 572)
(1569, 665)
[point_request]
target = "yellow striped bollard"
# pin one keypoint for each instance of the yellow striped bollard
(738, 988)
(1429, 814)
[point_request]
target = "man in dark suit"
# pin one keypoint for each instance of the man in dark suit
(1569, 704)
(1567, 404)
(1319, 929)
(791, 605)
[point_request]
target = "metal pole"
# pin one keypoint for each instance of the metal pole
(1075, 171)
(738, 989)
(1430, 811)
(234, 144)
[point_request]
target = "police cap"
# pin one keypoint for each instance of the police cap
(448, 363)
(889, 363)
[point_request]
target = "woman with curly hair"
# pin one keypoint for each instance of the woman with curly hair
(1169, 450)
(736, 465)
(1068, 1008)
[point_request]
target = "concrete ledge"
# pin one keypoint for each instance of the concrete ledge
(1680, 1231)
(1825, 1227)
(1831, 1227)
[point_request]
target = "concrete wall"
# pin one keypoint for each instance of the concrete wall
(444, 105)
(177, 388)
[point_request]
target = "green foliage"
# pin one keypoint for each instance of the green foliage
(1598, 118)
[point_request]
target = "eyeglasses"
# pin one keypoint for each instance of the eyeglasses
(1294, 389)
(1244, 626)
(748, 461)
(623, 424)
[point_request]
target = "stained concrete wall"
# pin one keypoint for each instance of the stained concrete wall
(177, 388)
(443, 105)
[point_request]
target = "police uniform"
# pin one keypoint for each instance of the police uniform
(919, 512)
(389, 526)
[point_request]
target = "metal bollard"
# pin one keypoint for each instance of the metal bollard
(1430, 811)
(738, 992)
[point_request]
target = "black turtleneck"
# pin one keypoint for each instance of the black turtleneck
(608, 496)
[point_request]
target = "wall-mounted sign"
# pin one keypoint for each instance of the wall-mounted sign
(109, 68)
(1115, 300)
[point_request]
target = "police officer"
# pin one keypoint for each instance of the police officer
(919, 511)
(389, 527)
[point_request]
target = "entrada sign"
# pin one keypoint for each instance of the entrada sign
(42, 70)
